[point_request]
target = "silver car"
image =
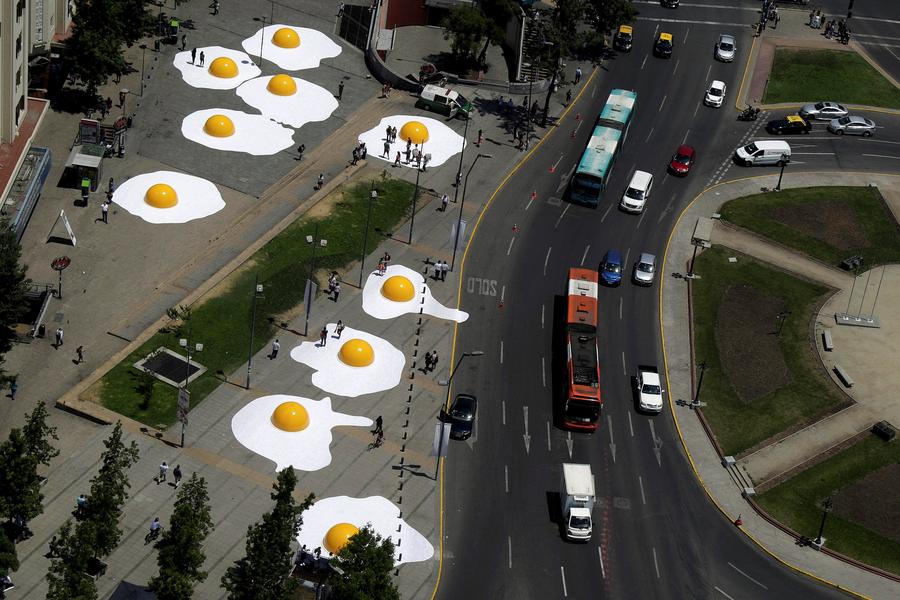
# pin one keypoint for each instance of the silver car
(823, 110)
(644, 269)
(726, 48)
(852, 125)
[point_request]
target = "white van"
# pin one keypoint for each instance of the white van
(763, 152)
(444, 101)
(637, 192)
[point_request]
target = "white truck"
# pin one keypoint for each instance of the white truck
(649, 389)
(577, 501)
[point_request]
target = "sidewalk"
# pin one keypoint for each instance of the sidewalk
(675, 320)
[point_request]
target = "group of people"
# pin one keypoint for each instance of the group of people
(431, 361)
(440, 270)
(833, 28)
(334, 286)
(413, 153)
(386, 90)
(383, 263)
(359, 153)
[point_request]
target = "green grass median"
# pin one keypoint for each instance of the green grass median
(826, 223)
(862, 482)
(840, 76)
(762, 377)
(221, 319)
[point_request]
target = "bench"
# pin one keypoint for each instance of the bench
(843, 376)
(852, 262)
(827, 343)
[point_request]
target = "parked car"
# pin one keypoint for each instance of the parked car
(611, 268)
(852, 125)
(682, 160)
(462, 416)
(715, 95)
(638, 191)
(823, 110)
(663, 45)
(644, 269)
(788, 125)
(763, 152)
(725, 48)
(624, 38)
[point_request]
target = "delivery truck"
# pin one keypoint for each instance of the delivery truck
(577, 501)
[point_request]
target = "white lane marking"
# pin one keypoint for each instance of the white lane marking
(530, 202)
(501, 352)
(881, 156)
(648, 135)
(708, 71)
(686, 133)
(696, 108)
(565, 210)
(814, 153)
(677, 62)
(641, 220)
(509, 545)
(655, 562)
(556, 164)
(747, 576)
(593, 91)
(547, 258)
(869, 139)
(602, 568)
(879, 19)
(542, 316)
(502, 293)
(503, 408)
(548, 436)
(730, 6)
(543, 373)
(562, 572)
(627, 254)
(621, 302)
(641, 484)
(506, 477)
(644, 62)
(608, 208)
(630, 426)
(511, 242)
(721, 591)
(584, 256)
(663, 102)
(651, 19)
(877, 37)
(624, 372)
(685, 39)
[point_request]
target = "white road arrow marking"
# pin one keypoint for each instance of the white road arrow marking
(526, 437)
(612, 445)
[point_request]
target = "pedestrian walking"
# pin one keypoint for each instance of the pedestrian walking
(355, 156)
(577, 75)
(59, 336)
(437, 270)
(340, 9)
(79, 352)
(425, 160)
(276, 346)
(340, 90)
(177, 474)
(480, 138)
(193, 55)
(108, 104)
(378, 425)
(363, 151)
(13, 388)
(300, 150)
(320, 181)
(183, 42)
(323, 336)
(339, 329)
(393, 134)
(104, 211)
(80, 505)
(427, 361)
(386, 152)
(203, 56)
(444, 268)
(111, 186)
(336, 291)
(434, 360)
(568, 97)
(215, 7)
(163, 472)
(417, 155)
(381, 267)
(155, 526)
(387, 133)
(332, 280)
(445, 199)
(397, 159)
(386, 258)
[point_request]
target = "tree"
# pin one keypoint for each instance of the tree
(366, 562)
(13, 287)
(36, 433)
(181, 554)
(109, 490)
(67, 577)
(263, 574)
(464, 27)
(497, 14)
(94, 50)
(9, 562)
(133, 19)
(605, 15)
(562, 36)
(20, 491)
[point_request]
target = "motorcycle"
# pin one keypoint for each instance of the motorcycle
(749, 114)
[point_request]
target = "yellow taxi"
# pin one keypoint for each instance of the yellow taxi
(663, 45)
(624, 38)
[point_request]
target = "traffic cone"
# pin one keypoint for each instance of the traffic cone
(534, 194)
(553, 169)
(577, 116)
(515, 228)
(500, 306)
(739, 521)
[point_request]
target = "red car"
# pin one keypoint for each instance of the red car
(682, 160)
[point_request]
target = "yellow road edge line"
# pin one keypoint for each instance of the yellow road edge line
(675, 417)
(740, 93)
(462, 263)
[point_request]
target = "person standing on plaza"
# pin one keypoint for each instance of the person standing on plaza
(393, 134)
(427, 362)
(444, 268)
(355, 156)
(445, 199)
(177, 474)
(300, 150)
(321, 181)
(340, 91)
(397, 159)
(163, 472)
(104, 211)
(323, 336)
(183, 42)
(336, 291)
(378, 425)
(79, 353)
(59, 336)
(480, 138)
(434, 360)
(276, 346)
(339, 329)
(577, 75)
(202, 58)
(387, 150)
(425, 160)
(13, 388)
(387, 134)
(193, 55)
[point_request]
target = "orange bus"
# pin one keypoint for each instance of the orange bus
(582, 395)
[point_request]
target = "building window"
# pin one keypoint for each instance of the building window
(19, 77)
(19, 108)
(18, 45)
(19, 8)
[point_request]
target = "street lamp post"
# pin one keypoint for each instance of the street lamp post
(462, 153)
(459, 219)
(310, 284)
(184, 394)
(826, 508)
(702, 367)
(143, 48)
(257, 293)
(373, 196)
(262, 34)
(415, 198)
(785, 159)
(782, 317)
(446, 382)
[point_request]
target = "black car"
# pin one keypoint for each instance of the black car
(663, 45)
(462, 416)
(788, 125)
(669, 3)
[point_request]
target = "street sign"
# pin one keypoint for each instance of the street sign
(462, 232)
(184, 405)
(441, 439)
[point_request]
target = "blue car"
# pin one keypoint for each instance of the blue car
(611, 268)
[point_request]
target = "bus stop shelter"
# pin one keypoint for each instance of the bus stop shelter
(85, 161)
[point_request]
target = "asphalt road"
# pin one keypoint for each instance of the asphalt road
(656, 533)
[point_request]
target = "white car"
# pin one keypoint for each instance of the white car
(637, 192)
(725, 48)
(644, 269)
(715, 95)
(649, 389)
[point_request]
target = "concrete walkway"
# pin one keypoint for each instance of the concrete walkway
(719, 481)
